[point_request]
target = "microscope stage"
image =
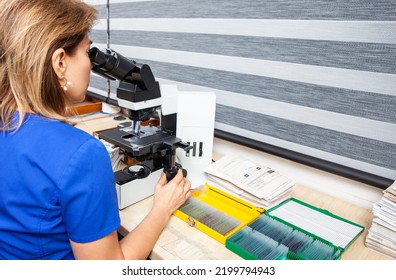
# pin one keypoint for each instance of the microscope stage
(149, 140)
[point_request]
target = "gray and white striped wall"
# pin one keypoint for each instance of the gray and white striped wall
(310, 80)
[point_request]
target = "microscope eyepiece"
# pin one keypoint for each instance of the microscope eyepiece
(114, 66)
(100, 58)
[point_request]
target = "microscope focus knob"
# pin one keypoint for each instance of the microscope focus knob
(171, 172)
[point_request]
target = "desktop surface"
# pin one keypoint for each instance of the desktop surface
(181, 241)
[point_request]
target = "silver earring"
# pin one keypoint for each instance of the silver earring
(66, 85)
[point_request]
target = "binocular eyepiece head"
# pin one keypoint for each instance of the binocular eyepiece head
(112, 65)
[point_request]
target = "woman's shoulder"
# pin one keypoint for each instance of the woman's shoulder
(53, 133)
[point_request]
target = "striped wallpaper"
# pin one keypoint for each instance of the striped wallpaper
(314, 78)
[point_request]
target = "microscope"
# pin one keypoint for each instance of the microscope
(154, 148)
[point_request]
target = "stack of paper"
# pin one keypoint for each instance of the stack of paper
(256, 183)
(114, 153)
(381, 236)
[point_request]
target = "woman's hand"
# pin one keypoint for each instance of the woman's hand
(168, 197)
(138, 244)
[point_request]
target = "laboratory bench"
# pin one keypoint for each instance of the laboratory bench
(181, 241)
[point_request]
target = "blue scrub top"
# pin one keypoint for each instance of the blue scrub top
(56, 184)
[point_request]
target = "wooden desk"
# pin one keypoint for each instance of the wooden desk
(180, 241)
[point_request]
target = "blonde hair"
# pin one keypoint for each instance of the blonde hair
(30, 31)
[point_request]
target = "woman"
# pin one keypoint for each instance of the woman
(57, 194)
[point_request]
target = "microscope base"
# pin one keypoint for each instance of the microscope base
(137, 190)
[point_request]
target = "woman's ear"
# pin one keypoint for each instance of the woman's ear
(59, 63)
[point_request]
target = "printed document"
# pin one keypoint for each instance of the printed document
(248, 178)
